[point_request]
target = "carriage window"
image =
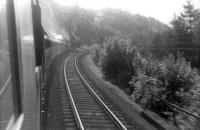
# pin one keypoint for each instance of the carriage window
(17, 65)
(6, 105)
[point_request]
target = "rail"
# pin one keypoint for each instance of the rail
(175, 107)
(75, 111)
(6, 84)
(108, 111)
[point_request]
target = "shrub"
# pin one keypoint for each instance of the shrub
(180, 78)
(97, 54)
(116, 63)
(171, 79)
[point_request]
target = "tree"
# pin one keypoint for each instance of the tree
(185, 37)
(185, 24)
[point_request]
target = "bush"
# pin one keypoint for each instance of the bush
(174, 80)
(116, 61)
(97, 54)
(116, 64)
(180, 79)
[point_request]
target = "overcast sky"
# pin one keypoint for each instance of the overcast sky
(162, 10)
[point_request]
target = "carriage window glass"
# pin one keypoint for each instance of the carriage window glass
(6, 106)
(25, 37)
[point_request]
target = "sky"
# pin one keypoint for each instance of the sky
(162, 10)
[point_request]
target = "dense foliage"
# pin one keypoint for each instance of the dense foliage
(172, 78)
(116, 60)
(117, 64)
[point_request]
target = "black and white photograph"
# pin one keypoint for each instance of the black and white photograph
(99, 64)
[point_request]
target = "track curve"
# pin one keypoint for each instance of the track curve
(91, 110)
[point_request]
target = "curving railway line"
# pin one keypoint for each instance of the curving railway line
(84, 107)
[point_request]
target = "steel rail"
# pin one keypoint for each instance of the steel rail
(102, 104)
(5, 85)
(75, 111)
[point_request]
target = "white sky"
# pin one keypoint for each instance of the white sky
(162, 10)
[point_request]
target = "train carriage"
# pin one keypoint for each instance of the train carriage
(22, 58)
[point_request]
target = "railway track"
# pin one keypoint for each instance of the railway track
(83, 107)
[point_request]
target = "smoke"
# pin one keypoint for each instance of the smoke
(49, 10)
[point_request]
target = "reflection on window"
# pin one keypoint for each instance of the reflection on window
(5, 76)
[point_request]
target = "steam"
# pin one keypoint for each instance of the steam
(49, 22)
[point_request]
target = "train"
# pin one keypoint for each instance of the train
(26, 50)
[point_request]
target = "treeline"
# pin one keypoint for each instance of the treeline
(88, 26)
(183, 36)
